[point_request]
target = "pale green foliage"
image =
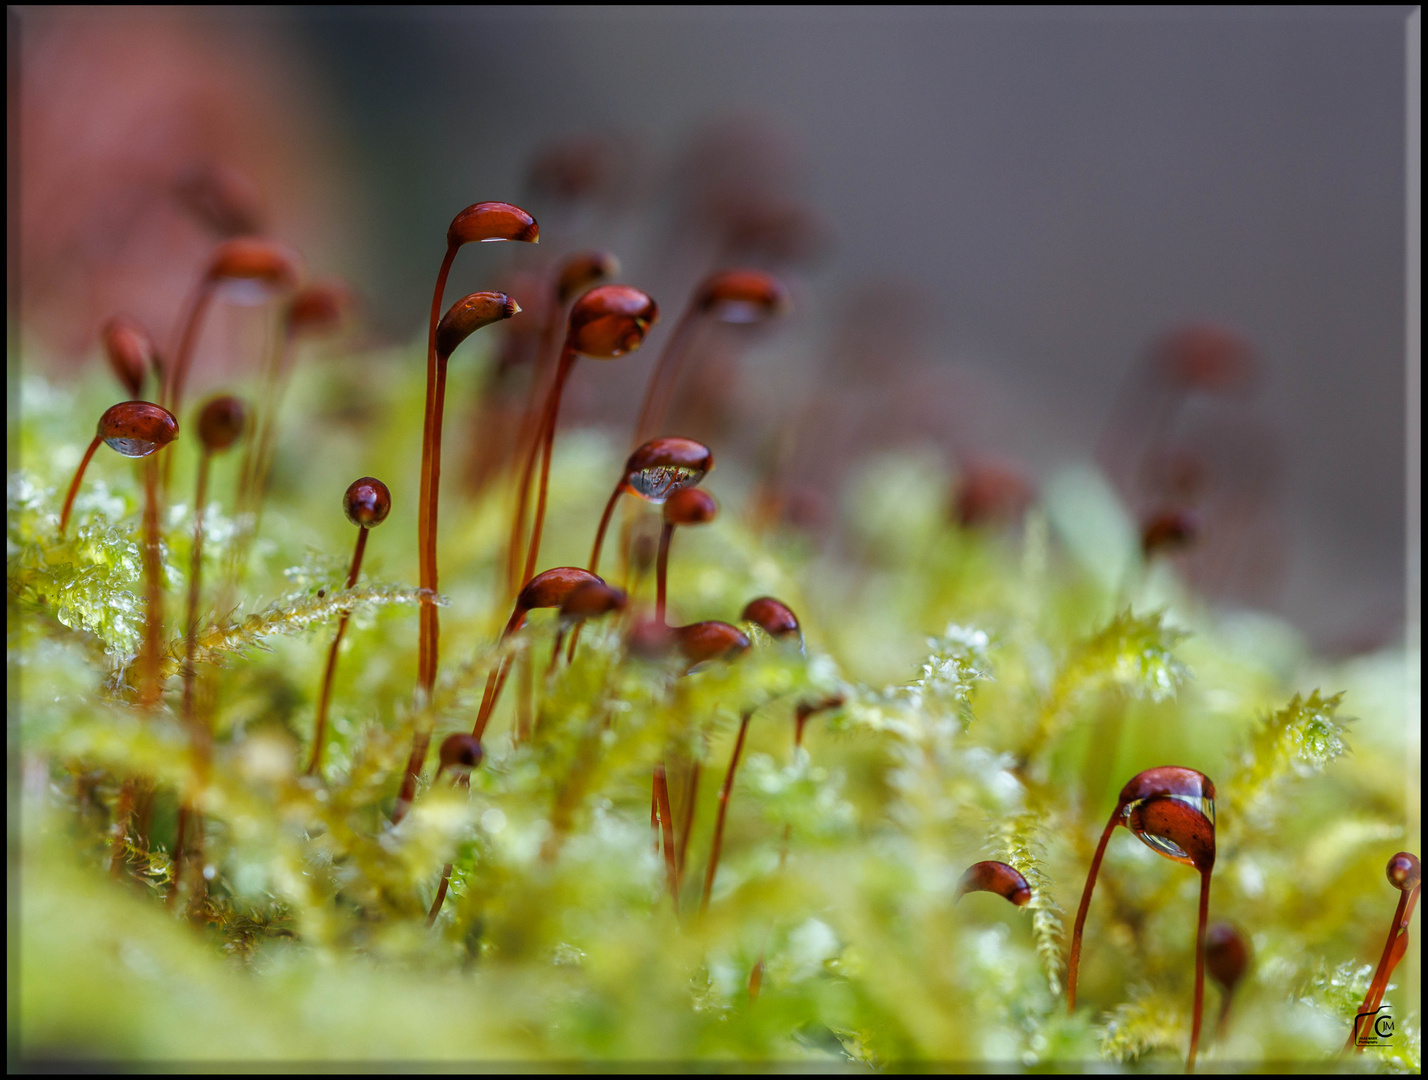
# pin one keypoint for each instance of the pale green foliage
(1020, 846)
(1133, 653)
(88, 581)
(292, 615)
(1297, 740)
(1147, 1022)
(559, 939)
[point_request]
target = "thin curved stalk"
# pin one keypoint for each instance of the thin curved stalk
(661, 784)
(1073, 965)
(666, 368)
(567, 361)
(718, 841)
(74, 484)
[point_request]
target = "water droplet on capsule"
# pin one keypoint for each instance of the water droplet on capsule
(136, 429)
(658, 483)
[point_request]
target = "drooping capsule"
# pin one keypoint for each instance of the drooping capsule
(460, 751)
(995, 877)
(265, 266)
(318, 308)
(712, 640)
(590, 599)
(610, 321)
(992, 493)
(1227, 955)
(1169, 530)
(742, 296)
(130, 351)
(581, 271)
(222, 422)
(1206, 357)
(468, 315)
(486, 222)
(661, 467)
(774, 616)
(136, 429)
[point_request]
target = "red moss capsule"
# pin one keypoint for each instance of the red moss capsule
(550, 587)
(1405, 872)
(742, 296)
(590, 599)
(468, 315)
(992, 493)
(581, 271)
(461, 752)
(690, 506)
(318, 308)
(265, 264)
(367, 502)
(1169, 530)
(1208, 358)
(781, 231)
(610, 321)
(774, 616)
(704, 641)
(489, 221)
(1172, 811)
(222, 422)
(995, 877)
(650, 639)
(137, 428)
(576, 169)
(130, 352)
(1227, 955)
(661, 467)
(222, 198)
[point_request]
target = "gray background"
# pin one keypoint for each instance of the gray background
(1061, 185)
(1051, 187)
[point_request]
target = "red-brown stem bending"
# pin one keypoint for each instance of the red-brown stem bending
(718, 842)
(74, 484)
(1074, 964)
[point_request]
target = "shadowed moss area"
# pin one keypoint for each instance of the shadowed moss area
(998, 688)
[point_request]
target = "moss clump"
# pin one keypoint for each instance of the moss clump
(1039, 692)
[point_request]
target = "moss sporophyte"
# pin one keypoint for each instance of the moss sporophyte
(232, 843)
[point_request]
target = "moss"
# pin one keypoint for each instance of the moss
(1039, 691)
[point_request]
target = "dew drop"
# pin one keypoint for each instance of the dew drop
(659, 482)
(131, 447)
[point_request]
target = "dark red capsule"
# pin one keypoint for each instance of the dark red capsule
(367, 502)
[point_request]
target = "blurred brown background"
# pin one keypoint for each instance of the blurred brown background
(1000, 211)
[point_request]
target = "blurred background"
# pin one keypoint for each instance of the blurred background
(1169, 239)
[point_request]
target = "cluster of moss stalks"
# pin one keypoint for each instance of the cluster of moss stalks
(999, 687)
